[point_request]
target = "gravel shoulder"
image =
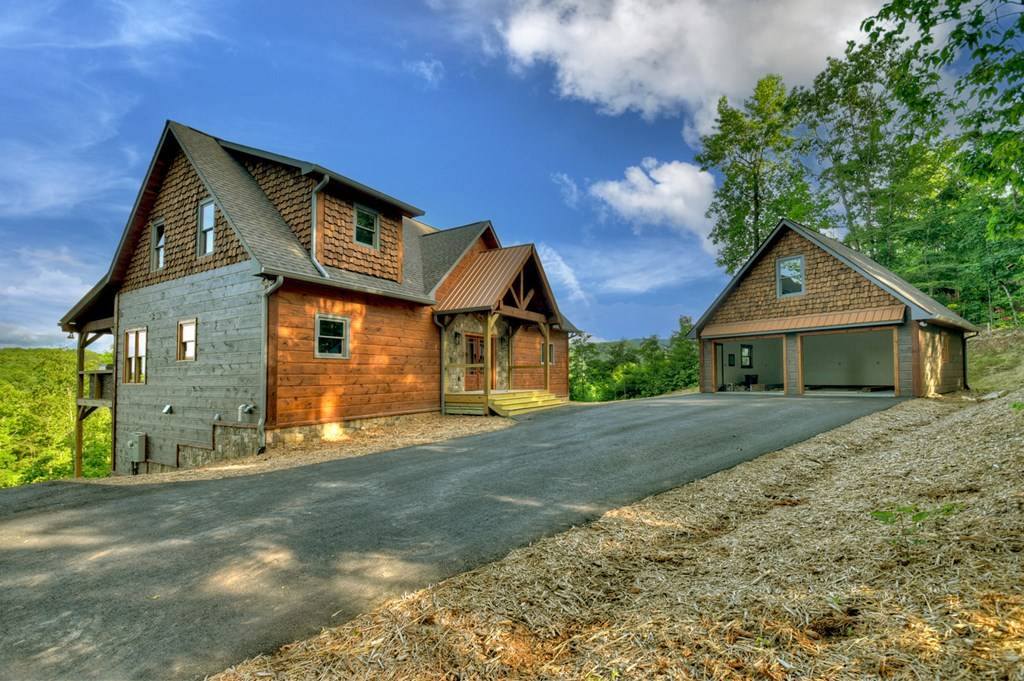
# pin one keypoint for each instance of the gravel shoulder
(889, 547)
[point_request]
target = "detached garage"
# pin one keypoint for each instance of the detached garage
(807, 314)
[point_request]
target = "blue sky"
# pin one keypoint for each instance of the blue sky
(571, 125)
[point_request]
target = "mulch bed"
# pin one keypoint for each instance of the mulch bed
(890, 547)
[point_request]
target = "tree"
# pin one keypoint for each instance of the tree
(755, 148)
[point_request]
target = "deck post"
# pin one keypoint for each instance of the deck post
(547, 356)
(79, 394)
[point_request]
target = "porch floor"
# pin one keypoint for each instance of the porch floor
(501, 402)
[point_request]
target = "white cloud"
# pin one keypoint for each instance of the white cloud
(675, 194)
(430, 70)
(665, 57)
(568, 188)
(37, 286)
(563, 276)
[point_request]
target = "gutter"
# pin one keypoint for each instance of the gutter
(313, 226)
(261, 432)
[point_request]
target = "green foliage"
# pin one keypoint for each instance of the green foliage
(1019, 406)
(756, 150)
(37, 403)
(626, 369)
(909, 520)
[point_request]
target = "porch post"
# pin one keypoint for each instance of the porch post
(547, 356)
(488, 326)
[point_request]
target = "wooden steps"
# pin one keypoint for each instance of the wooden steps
(502, 404)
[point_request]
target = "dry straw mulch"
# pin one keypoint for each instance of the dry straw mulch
(775, 569)
(409, 431)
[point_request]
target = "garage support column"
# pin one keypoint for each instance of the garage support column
(793, 378)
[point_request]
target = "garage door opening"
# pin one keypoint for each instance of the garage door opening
(750, 365)
(855, 361)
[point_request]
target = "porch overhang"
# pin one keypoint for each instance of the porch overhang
(878, 316)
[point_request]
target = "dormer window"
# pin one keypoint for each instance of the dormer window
(159, 244)
(367, 226)
(789, 276)
(207, 222)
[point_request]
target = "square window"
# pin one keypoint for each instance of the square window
(367, 226)
(159, 246)
(331, 336)
(746, 356)
(187, 340)
(789, 275)
(207, 225)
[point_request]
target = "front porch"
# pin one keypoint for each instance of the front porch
(500, 402)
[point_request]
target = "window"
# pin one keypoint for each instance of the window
(732, 359)
(207, 223)
(159, 243)
(187, 340)
(789, 276)
(367, 226)
(746, 356)
(474, 349)
(135, 356)
(551, 353)
(331, 336)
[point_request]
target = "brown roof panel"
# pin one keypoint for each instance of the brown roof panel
(486, 279)
(892, 314)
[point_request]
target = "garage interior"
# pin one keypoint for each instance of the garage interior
(860, 361)
(751, 365)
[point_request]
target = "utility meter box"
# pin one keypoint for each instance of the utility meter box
(137, 447)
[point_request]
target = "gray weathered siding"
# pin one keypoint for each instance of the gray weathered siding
(226, 373)
(906, 358)
(793, 386)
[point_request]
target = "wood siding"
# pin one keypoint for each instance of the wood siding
(830, 286)
(941, 368)
(177, 204)
(393, 366)
(526, 345)
(225, 374)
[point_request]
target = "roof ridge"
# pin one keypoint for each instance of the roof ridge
(449, 230)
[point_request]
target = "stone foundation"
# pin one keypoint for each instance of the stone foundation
(329, 432)
(230, 441)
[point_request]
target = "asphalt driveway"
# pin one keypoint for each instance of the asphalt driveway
(180, 580)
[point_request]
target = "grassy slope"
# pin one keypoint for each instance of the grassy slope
(37, 417)
(995, 360)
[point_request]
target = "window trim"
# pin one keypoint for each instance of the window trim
(153, 266)
(124, 363)
(750, 356)
(200, 242)
(178, 352)
(356, 207)
(778, 276)
(346, 353)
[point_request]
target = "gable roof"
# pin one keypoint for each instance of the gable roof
(489, 276)
(922, 306)
(429, 254)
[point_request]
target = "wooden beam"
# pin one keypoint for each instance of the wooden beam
(79, 394)
(106, 325)
(527, 299)
(520, 313)
(488, 360)
(896, 361)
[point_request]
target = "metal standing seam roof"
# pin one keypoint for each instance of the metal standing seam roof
(486, 279)
(890, 314)
(922, 306)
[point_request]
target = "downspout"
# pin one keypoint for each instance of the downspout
(444, 370)
(261, 432)
(313, 226)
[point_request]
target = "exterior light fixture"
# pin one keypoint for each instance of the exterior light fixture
(167, 409)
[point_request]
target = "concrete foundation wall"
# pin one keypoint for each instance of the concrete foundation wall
(226, 373)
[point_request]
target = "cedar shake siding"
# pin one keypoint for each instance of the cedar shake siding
(393, 365)
(338, 247)
(288, 189)
(177, 204)
(831, 286)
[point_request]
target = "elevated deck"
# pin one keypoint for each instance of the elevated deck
(501, 402)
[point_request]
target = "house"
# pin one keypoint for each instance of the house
(256, 298)
(807, 313)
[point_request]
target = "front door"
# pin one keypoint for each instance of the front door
(475, 355)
